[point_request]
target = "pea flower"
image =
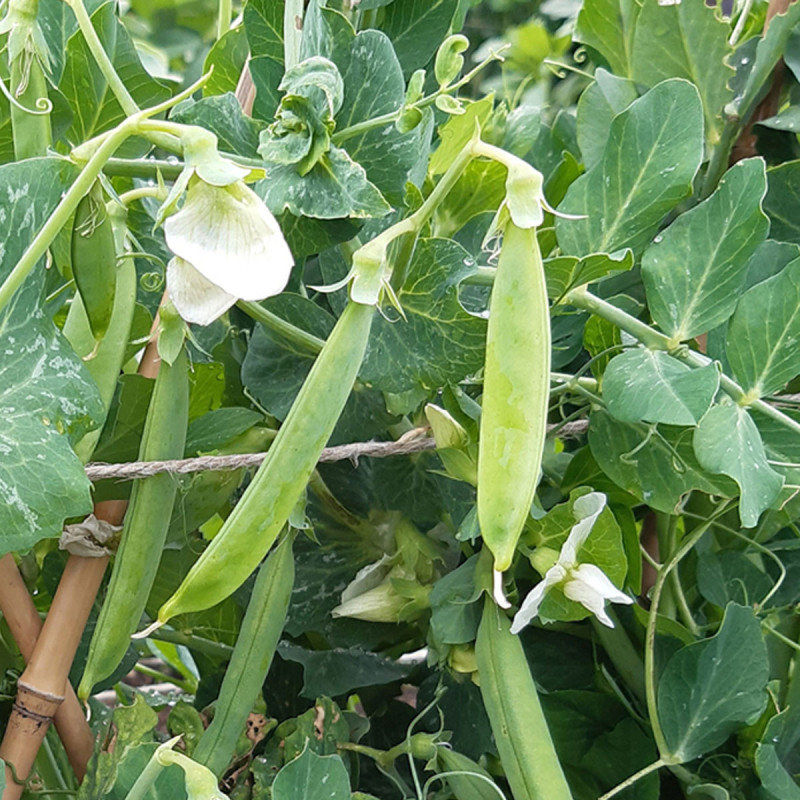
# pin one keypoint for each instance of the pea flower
(227, 247)
(586, 584)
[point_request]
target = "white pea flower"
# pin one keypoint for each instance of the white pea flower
(586, 584)
(227, 247)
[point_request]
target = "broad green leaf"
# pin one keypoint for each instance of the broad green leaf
(218, 427)
(695, 270)
(94, 107)
(222, 114)
(763, 333)
(456, 133)
(656, 465)
(46, 394)
(777, 754)
(564, 273)
(652, 154)
(685, 40)
(339, 671)
(710, 689)
(481, 187)
(228, 57)
(731, 577)
(608, 26)
(263, 23)
(312, 777)
(417, 28)
(440, 342)
(597, 107)
(455, 614)
(782, 202)
(58, 23)
(335, 187)
(727, 442)
(643, 385)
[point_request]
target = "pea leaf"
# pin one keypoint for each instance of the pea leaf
(727, 442)
(312, 777)
(597, 107)
(695, 270)
(656, 465)
(263, 22)
(652, 154)
(57, 22)
(685, 40)
(761, 343)
(566, 272)
(711, 688)
(440, 342)
(607, 26)
(46, 395)
(94, 107)
(782, 202)
(458, 130)
(730, 576)
(775, 752)
(416, 28)
(222, 115)
(645, 385)
(227, 56)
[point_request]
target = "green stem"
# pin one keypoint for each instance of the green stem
(224, 18)
(158, 192)
(624, 656)
(650, 638)
(292, 32)
(483, 276)
(192, 642)
(147, 777)
(143, 168)
(162, 677)
(637, 776)
(291, 333)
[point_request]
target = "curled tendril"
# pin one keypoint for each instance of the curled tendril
(628, 458)
(580, 56)
(152, 281)
(560, 69)
(43, 104)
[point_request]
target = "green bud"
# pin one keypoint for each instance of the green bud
(450, 105)
(415, 87)
(449, 61)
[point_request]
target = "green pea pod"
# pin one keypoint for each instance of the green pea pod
(94, 259)
(145, 527)
(518, 724)
(260, 515)
(30, 123)
(468, 780)
(258, 638)
(515, 394)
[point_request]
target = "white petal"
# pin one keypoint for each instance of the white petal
(229, 235)
(197, 299)
(530, 605)
(586, 510)
(585, 594)
(593, 576)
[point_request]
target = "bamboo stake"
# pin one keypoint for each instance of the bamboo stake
(25, 625)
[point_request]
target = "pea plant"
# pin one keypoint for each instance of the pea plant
(401, 400)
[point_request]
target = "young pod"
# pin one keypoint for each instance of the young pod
(516, 388)
(145, 527)
(518, 724)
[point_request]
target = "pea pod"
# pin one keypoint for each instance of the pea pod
(248, 667)
(518, 724)
(145, 526)
(515, 394)
(94, 259)
(30, 120)
(260, 515)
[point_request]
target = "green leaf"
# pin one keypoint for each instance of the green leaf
(653, 151)
(457, 131)
(455, 614)
(731, 577)
(216, 428)
(227, 56)
(440, 342)
(763, 333)
(481, 187)
(94, 107)
(312, 777)
(727, 442)
(263, 23)
(695, 270)
(782, 202)
(656, 465)
(417, 28)
(222, 115)
(607, 26)
(339, 671)
(335, 187)
(712, 688)
(597, 107)
(46, 394)
(777, 747)
(567, 272)
(685, 40)
(643, 385)
(57, 22)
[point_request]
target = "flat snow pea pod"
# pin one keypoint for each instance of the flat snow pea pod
(258, 638)
(518, 724)
(515, 394)
(260, 515)
(468, 780)
(145, 526)
(94, 259)
(30, 120)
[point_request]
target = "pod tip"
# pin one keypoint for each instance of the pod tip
(497, 589)
(148, 630)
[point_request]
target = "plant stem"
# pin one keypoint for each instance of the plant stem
(197, 643)
(147, 777)
(291, 333)
(656, 765)
(158, 192)
(143, 168)
(649, 651)
(224, 17)
(624, 656)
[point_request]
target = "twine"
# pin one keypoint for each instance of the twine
(414, 441)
